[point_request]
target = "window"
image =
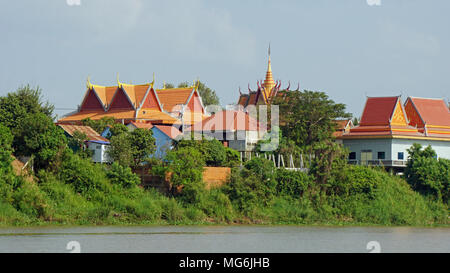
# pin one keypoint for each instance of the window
(400, 156)
(352, 156)
(381, 155)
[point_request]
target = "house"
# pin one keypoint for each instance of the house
(388, 128)
(234, 128)
(139, 103)
(164, 135)
(342, 126)
(96, 143)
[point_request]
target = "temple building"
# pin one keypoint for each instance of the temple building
(139, 103)
(388, 128)
(266, 91)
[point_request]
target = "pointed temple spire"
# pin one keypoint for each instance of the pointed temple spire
(269, 83)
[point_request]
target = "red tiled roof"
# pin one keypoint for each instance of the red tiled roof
(383, 116)
(378, 111)
(432, 111)
(170, 131)
(90, 133)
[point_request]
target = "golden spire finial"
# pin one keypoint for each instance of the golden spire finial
(153, 82)
(164, 84)
(88, 82)
(118, 81)
(269, 83)
(196, 83)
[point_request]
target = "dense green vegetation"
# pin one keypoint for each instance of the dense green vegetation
(66, 188)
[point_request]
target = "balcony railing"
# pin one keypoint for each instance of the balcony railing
(386, 163)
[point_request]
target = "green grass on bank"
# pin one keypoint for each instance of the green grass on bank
(388, 201)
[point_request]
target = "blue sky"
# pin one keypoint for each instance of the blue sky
(346, 48)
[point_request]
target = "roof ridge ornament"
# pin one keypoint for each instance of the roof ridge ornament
(119, 84)
(88, 83)
(153, 82)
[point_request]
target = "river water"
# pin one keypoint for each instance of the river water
(179, 239)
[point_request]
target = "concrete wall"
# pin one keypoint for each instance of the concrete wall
(376, 145)
(99, 152)
(392, 147)
(442, 148)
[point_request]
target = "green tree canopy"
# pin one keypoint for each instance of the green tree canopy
(17, 105)
(308, 117)
(39, 137)
(212, 151)
(427, 174)
(132, 148)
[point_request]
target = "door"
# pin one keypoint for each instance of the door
(366, 156)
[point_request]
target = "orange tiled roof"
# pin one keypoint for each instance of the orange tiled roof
(90, 133)
(433, 112)
(155, 115)
(80, 116)
(169, 98)
(342, 127)
(105, 93)
(142, 125)
(229, 120)
(136, 93)
(430, 116)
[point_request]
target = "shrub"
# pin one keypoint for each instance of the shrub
(122, 176)
(292, 183)
(83, 175)
(253, 186)
(186, 170)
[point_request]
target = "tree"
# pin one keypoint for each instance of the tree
(120, 150)
(132, 148)
(142, 145)
(209, 96)
(185, 166)
(39, 137)
(308, 117)
(17, 105)
(212, 151)
(428, 175)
